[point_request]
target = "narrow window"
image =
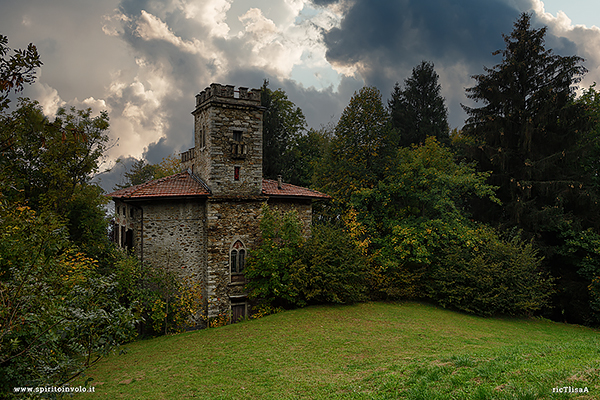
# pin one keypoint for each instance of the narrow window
(116, 233)
(129, 239)
(234, 262)
(237, 136)
(242, 261)
(236, 174)
(237, 261)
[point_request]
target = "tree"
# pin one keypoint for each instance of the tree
(282, 123)
(528, 130)
(17, 70)
(288, 270)
(418, 110)
(305, 154)
(58, 316)
(49, 166)
(416, 228)
(58, 313)
(531, 133)
(141, 171)
(360, 149)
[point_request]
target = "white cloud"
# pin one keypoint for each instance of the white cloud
(586, 39)
(150, 27)
(48, 98)
(112, 24)
(212, 14)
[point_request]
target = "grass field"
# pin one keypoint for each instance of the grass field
(365, 351)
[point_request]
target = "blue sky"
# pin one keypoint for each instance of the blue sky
(584, 12)
(144, 60)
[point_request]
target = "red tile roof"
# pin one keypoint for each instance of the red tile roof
(186, 184)
(269, 188)
(182, 184)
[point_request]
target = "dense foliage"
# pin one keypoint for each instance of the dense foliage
(424, 245)
(283, 123)
(58, 315)
(68, 296)
(290, 270)
(359, 152)
(534, 136)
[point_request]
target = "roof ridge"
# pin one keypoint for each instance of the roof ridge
(199, 180)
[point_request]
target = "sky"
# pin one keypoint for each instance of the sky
(143, 61)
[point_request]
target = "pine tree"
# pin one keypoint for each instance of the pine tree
(533, 135)
(418, 110)
(528, 130)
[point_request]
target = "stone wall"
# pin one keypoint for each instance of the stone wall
(174, 237)
(229, 220)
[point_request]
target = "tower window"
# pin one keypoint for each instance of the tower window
(236, 174)
(237, 136)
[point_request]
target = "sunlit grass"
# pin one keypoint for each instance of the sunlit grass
(365, 351)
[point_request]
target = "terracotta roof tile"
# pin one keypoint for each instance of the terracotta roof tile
(182, 184)
(185, 184)
(270, 188)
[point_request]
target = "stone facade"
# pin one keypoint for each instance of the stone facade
(228, 141)
(202, 222)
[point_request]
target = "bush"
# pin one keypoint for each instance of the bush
(486, 275)
(58, 316)
(332, 269)
(162, 302)
(289, 271)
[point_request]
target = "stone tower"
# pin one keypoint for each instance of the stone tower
(228, 141)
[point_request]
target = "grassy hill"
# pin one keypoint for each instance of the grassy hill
(365, 351)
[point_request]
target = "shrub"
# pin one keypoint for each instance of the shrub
(332, 269)
(289, 271)
(485, 274)
(163, 302)
(58, 316)
(269, 267)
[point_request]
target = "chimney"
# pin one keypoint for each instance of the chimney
(279, 182)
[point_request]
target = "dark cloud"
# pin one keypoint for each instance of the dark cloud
(324, 2)
(387, 36)
(144, 60)
(384, 40)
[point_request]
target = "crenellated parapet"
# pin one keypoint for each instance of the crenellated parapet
(217, 91)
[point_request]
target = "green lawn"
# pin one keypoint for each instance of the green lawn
(365, 351)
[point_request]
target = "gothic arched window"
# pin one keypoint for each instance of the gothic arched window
(237, 260)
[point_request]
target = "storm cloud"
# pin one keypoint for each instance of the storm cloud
(144, 60)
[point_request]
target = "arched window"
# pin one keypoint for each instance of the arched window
(237, 261)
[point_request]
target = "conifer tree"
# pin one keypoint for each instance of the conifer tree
(532, 134)
(418, 110)
(528, 130)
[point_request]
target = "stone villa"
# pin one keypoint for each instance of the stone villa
(201, 222)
